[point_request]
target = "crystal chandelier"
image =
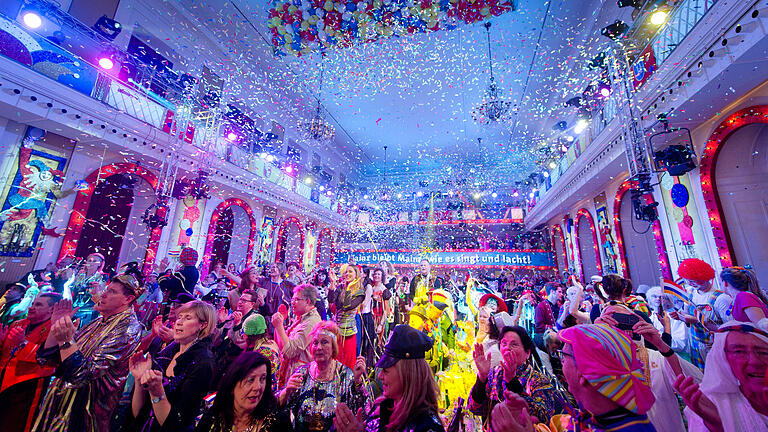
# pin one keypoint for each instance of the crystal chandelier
(318, 129)
(493, 109)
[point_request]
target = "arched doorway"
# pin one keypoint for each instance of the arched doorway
(741, 181)
(725, 209)
(324, 248)
(102, 212)
(558, 245)
(641, 247)
(589, 249)
(227, 240)
(290, 241)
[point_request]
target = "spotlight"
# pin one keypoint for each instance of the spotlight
(561, 125)
(107, 27)
(106, 62)
(569, 138)
(476, 195)
(658, 17)
(494, 195)
(530, 195)
(419, 194)
(32, 20)
(515, 194)
(580, 126)
(270, 158)
(322, 188)
(552, 165)
(289, 169)
(598, 61)
(231, 136)
(263, 155)
(399, 196)
(365, 197)
(308, 181)
(615, 30)
(604, 89)
(563, 148)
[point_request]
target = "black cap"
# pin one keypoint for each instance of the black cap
(405, 342)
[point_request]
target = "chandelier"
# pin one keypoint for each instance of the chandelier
(493, 109)
(318, 129)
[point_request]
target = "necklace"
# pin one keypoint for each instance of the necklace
(326, 375)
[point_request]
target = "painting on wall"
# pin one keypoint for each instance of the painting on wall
(34, 184)
(609, 251)
(266, 237)
(680, 207)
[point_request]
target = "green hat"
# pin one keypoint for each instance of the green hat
(255, 325)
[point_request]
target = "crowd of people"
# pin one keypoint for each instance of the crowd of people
(368, 348)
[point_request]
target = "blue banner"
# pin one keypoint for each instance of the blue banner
(531, 259)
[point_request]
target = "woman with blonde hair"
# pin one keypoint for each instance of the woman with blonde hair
(314, 390)
(347, 298)
(409, 399)
(179, 378)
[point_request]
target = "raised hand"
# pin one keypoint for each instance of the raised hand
(63, 330)
(696, 400)
(346, 421)
(152, 380)
(62, 309)
(504, 418)
(482, 361)
(138, 364)
(222, 315)
(359, 369)
(237, 316)
(294, 382)
(277, 320)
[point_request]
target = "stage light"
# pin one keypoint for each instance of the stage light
(365, 196)
(580, 126)
(627, 3)
(569, 138)
(530, 195)
(322, 188)
(563, 148)
(106, 63)
(231, 136)
(515, 194)
(545, 174)
(399, 196)
(494, 195)
(605, 90)
(615, 30)
(308, 181)
(552, 165)
(658, 17)
(419, 194)
(270, 158)
(32, 20)
(263, 155)
(476, 195)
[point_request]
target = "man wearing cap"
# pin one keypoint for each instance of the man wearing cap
(91, 363)
(708, 310)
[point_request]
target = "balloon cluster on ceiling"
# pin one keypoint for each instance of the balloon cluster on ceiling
(302, 26)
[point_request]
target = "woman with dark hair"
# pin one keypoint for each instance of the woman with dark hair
(409, 391)
(321, 281)
(245, 401)
(614, 289)
(515, 373)
(750, 304)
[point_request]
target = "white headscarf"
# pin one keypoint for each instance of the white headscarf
(722, 388)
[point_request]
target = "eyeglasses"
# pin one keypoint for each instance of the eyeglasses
(560, 354)
(743, 354)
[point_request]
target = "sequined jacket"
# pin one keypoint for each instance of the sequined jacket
(89, 383)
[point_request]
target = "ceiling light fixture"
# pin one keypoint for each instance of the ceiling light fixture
(580, 126)
(318, 129)
(658, 17)
(493, 108)
(32, 20)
